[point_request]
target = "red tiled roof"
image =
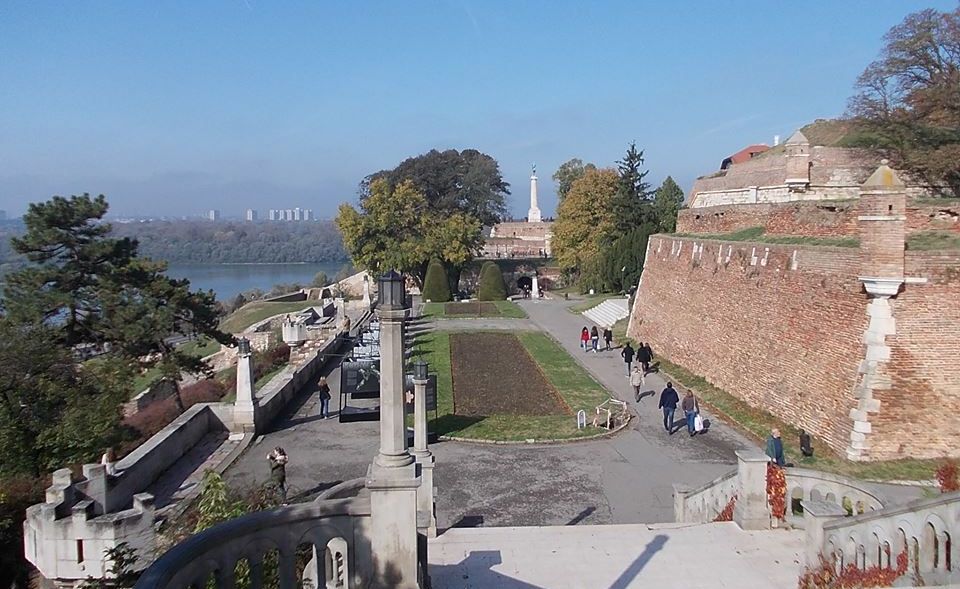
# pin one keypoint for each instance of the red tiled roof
(747, 152)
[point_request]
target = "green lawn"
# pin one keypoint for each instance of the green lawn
(577, 388)
(250, 313)
(758, 235)
(507, 309)
(200, 347)
(757, 423)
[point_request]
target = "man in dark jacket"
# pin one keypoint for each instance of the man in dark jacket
(627, 353)
(775, 448)
(643, 357)
(668, 402)
(607, 336)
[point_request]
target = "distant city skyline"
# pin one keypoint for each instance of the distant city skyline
(173, 109)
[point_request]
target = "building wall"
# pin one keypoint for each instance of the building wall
(782, 328)
(821, 219)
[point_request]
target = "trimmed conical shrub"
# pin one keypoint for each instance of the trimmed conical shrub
(492, 286)
(436, 288)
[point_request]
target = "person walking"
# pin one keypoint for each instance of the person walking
(278, 471)
(627, 354)
(649, 354)
(690, 409)
(584, 338)
(595, 339)
(643, 358)
(324, 390)
(608, 337)
(637, 380)
(668, 402)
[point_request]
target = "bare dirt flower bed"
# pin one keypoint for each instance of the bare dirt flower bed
(494, 375)
(474, 308)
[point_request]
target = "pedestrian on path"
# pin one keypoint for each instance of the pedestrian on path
(668, 402)
(607, 336)
(627, 354)
(690, 409)
(643, 357)
(278, 471)
(595, 339)
(324, 392)
(637, 380)
(584, 338)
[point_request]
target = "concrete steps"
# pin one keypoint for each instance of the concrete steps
(608, 312)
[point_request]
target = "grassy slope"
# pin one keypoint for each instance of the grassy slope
(757, 234)
(757, 423)
(201, 347)
(250, 313)
(576, 387)
(933, 240)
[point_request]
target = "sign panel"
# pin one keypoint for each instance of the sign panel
(361, 376)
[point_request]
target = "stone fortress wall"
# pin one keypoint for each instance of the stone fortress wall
(857, 345)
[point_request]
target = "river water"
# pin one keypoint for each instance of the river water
(227, 280)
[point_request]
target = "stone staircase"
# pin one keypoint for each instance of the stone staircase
(609, 312)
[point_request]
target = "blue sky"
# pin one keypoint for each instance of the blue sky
(177, 107)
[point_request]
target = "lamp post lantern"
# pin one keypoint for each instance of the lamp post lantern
(391, 293)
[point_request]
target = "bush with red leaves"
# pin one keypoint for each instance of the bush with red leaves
(947, 476)
(727, 514)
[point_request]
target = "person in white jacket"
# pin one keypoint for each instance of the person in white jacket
(637, 380)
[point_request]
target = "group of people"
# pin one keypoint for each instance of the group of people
(590, 338)
(669, 399)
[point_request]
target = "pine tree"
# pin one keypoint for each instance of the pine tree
(631, 203)
(667, 202)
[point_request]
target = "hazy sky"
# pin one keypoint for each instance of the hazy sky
(177, 107)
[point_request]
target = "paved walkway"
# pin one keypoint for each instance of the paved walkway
(624, 479)
(711, 556)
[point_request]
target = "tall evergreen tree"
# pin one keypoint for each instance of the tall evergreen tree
(631, 203)
(667, 202)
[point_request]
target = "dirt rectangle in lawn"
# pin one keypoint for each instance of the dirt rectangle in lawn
(481, 309)
(494, 375)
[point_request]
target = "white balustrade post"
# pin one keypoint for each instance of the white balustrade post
(752, 511)
(815, 514)
(680, 494)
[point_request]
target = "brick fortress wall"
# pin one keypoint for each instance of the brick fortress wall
(811, 218)
(857, 345)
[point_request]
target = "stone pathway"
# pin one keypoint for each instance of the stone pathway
(711, 556)
(624, 479)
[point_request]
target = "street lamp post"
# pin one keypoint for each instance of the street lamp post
(426, 510)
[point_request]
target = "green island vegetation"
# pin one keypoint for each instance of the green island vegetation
(557, 372)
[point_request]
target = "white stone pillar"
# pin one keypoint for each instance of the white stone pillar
(680, 494)
(367, 301)
(533, 215)
(245, 406)
(393, 480)
(426, 506)
(534, 287)
(815, 514)
(751, 511)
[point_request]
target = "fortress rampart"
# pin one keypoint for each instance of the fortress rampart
(857, 345)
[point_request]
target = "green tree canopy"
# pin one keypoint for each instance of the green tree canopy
(909, 98)
(396, 228)
(585, 218)
(568, 173)
(451, 181)
(667, 202)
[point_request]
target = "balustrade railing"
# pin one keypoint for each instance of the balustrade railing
(318, 544)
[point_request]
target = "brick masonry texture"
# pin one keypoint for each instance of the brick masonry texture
(782, 328)
(810, 218)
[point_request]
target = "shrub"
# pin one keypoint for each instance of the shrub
(492, 287)
(947, 476)
(436, 287)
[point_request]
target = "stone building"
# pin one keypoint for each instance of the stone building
(795, 171)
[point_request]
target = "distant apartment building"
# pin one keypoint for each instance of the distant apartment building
(294, 214)
(213, 214)
(251, 215)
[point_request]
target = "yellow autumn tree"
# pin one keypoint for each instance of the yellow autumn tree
(585, 219)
